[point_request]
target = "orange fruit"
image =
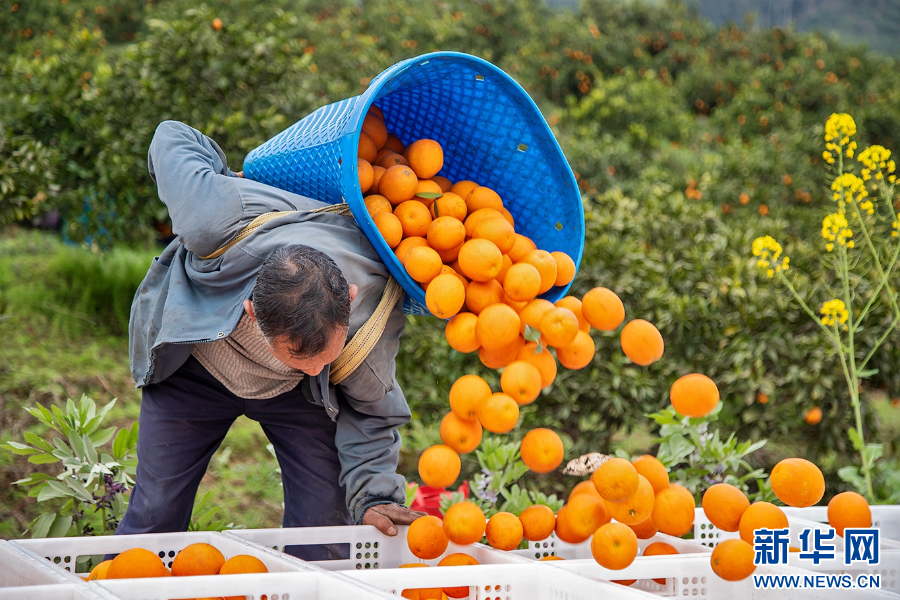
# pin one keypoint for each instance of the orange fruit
(463, 188)
(382, 153)
(724, 505)
(414, 217)
(197, 559)
(426, 188)
(578, 354)
(243, 564)
(479, 216)
(644, 530)
(423, 264)
(507, 263)
(550, 557)
(732, 560)
(460, 333)
(584, 487)
(614, 546)
(366, 175)
(673, 510)
(136, 562)
(522, 281)
(574, 304)
(449, 257)
(653, 470)
(538, 522)
(542, 450)
(445, 294)
(466, 394)
(420, 593)
(585, 514)
(498, 413)
(389, 227)
(439, 466)
(513, 304)
(546, 266)
(797, 482)
(481, 294)
(533, 312)
(564, 530)
(394, 143)
(813, 416)
(376, 111)
(559, 327)
(376, 204)
(849, 509)
(406, 245)
(100, 571)
(521, 381)
(660, 549)
(449, 205)
(543, 361)
(565, 268)
(521, 247)
(483, 197)
(497, 359)
(374, 127)
(602, 309)
(445, 233)
(641, 342)
(216, 24)
(464, 523)
(377, 173)
(480, 260)
(461, 435)
(694, 395)
(444, 183)
(496, 230)
(635, 509)
(398, 184)
(504, 531)
(426, 538)
(508, 216)
(760, 515)
(457, 560)
(426, 158)
(366, 149)
(391, 159)
(497, 326)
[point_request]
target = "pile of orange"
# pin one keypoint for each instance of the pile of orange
(458, 559)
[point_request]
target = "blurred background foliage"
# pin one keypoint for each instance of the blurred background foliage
(688, 139)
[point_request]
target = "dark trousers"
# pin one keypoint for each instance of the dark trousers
(184, 420)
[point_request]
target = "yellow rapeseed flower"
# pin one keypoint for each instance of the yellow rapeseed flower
(840, 126)
(875, 158)
(896, 231)
(835, 229)
(850, 187)
(834, 312)
(768, 252)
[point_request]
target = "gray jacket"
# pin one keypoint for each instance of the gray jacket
(185, 299)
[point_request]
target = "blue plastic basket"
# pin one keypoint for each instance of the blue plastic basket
(491, 132)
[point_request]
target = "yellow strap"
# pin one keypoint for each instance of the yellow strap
(356, 351)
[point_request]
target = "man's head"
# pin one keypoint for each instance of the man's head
(301, 303)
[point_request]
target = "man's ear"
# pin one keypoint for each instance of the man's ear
(248, 308)
(354, 289)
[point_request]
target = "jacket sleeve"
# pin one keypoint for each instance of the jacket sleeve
(194, 182)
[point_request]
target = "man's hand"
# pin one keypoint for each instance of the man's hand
(385, 516)
(238, 174)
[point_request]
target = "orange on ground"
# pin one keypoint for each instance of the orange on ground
(426, 188)
(483, 197)
(614, 546)
(498, 413)
(136, 562)
(538, 522)
(474, 219)
(464, 523)
(521, 281)
(602, 309)
(481, 294)
(637, 508)
(574, 304)
(533, 312)
(585, 514)
(544, 361)
(366, 175)
(558, 327)
(414, 217)
(645, 530)
(394, 143)
(389, 227)
(460, 434)
(564, 529)
(457, 560)
(243, 563)
(565, 268)
(497, 326)
(198, 559)
(507, 263)
(761, 515)
(724, 505)
(391, 159)
(848, 509)
(797, 482)
(460, 333)
(374, 126)
(522, 246)
(426, 158)
(497, 359)
(813, 416)
(444, 183)
(497, 230)
(439, 466)
(642, 342)
(660, 549)
(504, 531)
(426, 538)
(653, 470)
(449, 205)
(521, 381)
(377, 173)
(546, 266)
(376, 204)
(480, 260)
(463, 188)
(366, 149)
(466, 394)
(100, 571)
(398, 184)
(408, 244)
(445, 294)
(673, 510)
(542, 450)
(616, 480)
(584, 487)
(423, 264)
(579, 353)
(694, 395)
(732, 560)
(445, 233)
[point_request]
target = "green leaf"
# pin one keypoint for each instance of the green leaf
(77, 444)
(54, 489)
(33, 479)
(867, 373)
(41, 526)
(60, 527)
(120, 444)
(19, 448)
(855, 438)
(532, 334)
(99, 438)
(42, 459)
(38, 441)
(90, 452)
(78, 489)
(429, 195)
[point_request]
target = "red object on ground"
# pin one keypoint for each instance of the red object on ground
(428, 498)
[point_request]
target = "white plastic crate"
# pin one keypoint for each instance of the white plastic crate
(21, 568)
(63, 553)
(885, 517)
(308, 585)
(56, 592)
(553, 546)
(888, 568)
(535, 581)
(363, 546)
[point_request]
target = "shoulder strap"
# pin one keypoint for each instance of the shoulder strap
(356, 351)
